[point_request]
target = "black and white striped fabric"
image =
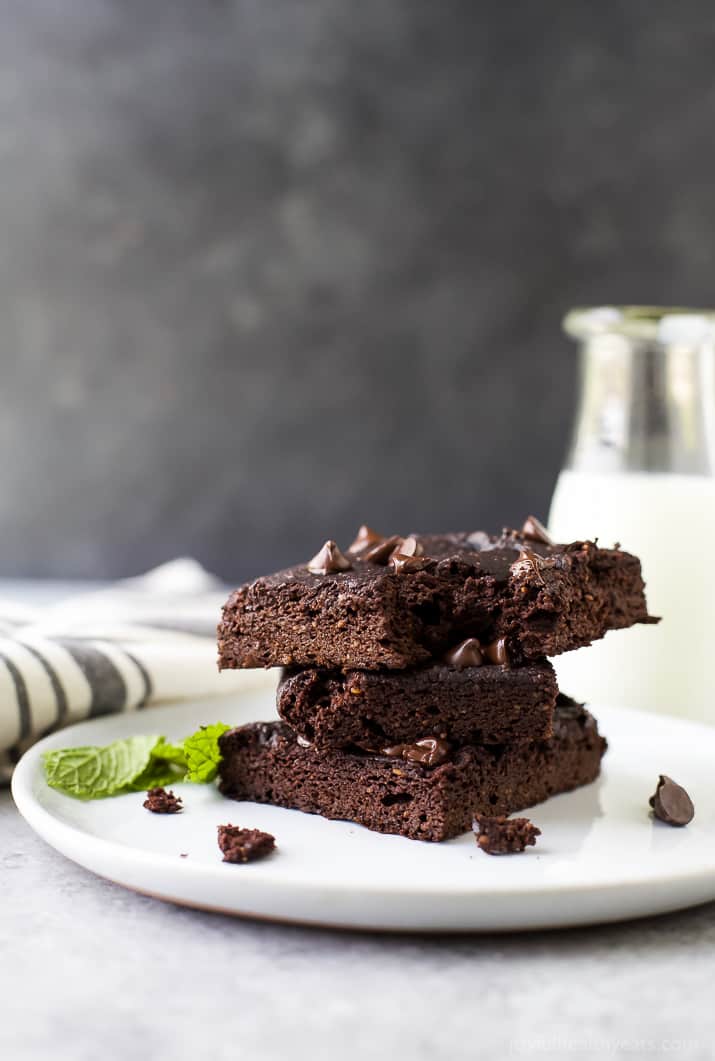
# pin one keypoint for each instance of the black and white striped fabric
(143, 641)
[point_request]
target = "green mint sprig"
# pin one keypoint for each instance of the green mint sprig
(134, 764)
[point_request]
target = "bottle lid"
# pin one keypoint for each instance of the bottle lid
(655, 324)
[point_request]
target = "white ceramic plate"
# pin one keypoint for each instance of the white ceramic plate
(600, 858)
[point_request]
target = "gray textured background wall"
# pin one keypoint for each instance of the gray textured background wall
(272, 267)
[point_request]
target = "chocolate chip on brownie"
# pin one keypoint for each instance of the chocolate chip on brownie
(365, 538)
(244, 845)
(430, 751)
(496, 651)
(504, 836)
(159, 801)
(535, 531)
(467, 653)
(381, 551)
(409, 546)
(408, 565)
(528, 562)
(671, 803)
(329, 561)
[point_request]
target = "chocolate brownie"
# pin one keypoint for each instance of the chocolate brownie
(266, 763)
(400, 602)
(373, 709)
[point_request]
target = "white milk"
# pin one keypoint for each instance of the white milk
(669, 522)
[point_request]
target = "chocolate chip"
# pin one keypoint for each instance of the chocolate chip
(329, 560)
(380, 553)
(466, 654)
(528, 562)
(408, 547)
(408, 565)
(365, 538)
(159, 801)
(496, 651)
(430, 751)
(504, 836)
(671, 803)
(244, 845)
(535, 531)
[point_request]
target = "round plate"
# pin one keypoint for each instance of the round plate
(600, 858)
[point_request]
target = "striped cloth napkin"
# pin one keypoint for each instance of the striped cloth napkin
(142, 641)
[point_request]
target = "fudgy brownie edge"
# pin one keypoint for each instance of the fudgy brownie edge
(373, 709)
(537, 599)
(264, 762)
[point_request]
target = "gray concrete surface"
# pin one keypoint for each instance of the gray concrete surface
(90, 971)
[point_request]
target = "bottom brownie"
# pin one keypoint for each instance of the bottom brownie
(264, 762)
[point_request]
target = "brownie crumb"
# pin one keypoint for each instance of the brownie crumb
(671, 803)
(244, 845)
(159, 801)
(504, 836)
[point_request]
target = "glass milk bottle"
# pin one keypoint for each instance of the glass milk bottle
(641, 472)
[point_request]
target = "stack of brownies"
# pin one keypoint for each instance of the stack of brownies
(417, 693)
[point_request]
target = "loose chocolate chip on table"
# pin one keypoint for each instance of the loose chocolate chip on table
(671, 803)
(365, 538)
(466, 654)
(329, 560)
(244, 845)
(159, 801)
(496, 651)
(535, 530)
(381, 551)
(430, 751)
(504, 836)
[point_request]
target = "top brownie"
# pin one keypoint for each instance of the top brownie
(397, 602)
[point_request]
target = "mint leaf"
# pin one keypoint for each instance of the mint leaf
(93, 773)
(135, 764)
(170, 753)
(202, 754)
(158, 774)
(166, 766)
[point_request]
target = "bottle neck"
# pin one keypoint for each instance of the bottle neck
(644, 406)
